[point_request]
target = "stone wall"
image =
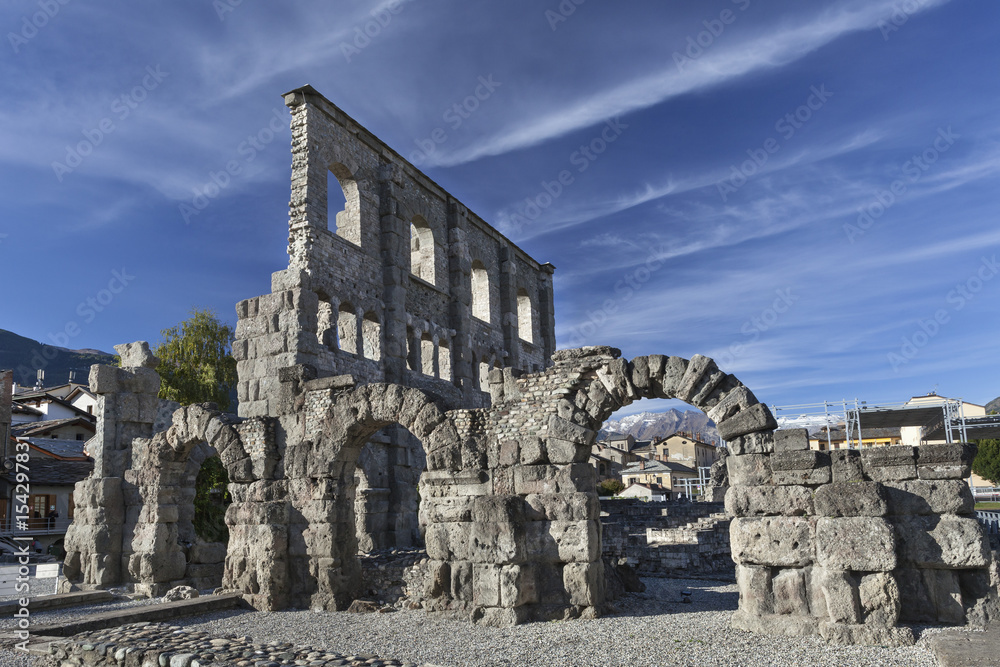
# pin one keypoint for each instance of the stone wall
(849, 544)
(364, 297)
(668, 538)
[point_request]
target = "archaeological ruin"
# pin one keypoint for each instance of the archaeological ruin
(400, 386)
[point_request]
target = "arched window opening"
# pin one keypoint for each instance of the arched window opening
(427, 354)
(412, 350)
(524, 315)
(347, 326)
(422, 249)
(343, 204)
(326, 328)
(371, 334)
(480, 291)
(484, 375)
(444, 361)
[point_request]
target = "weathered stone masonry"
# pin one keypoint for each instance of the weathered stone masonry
(848, 544)
(407, 327)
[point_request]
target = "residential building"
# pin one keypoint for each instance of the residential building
(661, 473)
(684, 448)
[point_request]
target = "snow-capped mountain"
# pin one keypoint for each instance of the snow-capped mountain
(650, 425)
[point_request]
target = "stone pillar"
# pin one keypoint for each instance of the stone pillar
(546, 313)
(395, 246)
(127, 407)
(508, 307)
(460, 285)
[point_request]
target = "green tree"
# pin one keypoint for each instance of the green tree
(987, 461)
(196, 364)
(210, 501)
(610, 487)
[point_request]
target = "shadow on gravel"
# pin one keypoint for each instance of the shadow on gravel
(658, 600)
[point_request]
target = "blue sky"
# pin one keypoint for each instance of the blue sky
(806, 192)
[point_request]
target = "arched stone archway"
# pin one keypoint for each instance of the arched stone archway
(159, 490)
(322, 538)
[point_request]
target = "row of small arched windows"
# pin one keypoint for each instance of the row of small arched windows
(346, 222)
(349, 330)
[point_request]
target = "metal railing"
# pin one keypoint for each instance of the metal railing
(34, 527)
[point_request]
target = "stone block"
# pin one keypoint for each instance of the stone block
(840, 597)
(925, 496)
(945, 461)
(495, 543)
(448, 541)
(533, 451)
(584, 583)
(749, 469)
(845, 465)
(576, 478)
(851, 499)
(563, 541)
(789, 590)
(486, 585)
(941, 542)
(769, 500)
(878, 595)
(673, 370)
(536, 479)
(753, 419)
(791, 440)
(775, 541)
(103, 379)
(858, 544)
(752, 443)
(916, 602)
(754, 583)
(562, 507)
(800, 467)
(517, 585)
(499, 509)
(564, 451)
(562, 429)
(736, 399)
(889, 464)
(438, 510)
(136, 355)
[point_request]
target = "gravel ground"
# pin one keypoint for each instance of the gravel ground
(652, 628)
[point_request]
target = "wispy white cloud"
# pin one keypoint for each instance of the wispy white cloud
(766, 51)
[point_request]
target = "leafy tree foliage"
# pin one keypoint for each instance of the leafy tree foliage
(610, 487)
(987, 461)
(210, 501)
(196, 365)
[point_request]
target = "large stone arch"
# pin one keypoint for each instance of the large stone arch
(160, 548)
(322, 536)
(613, 383)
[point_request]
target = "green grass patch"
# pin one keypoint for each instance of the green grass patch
(988, 506)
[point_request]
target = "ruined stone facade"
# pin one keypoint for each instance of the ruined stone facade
(410, 343)
(849, 544)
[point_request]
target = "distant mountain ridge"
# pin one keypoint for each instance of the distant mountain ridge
(651, 425)
(25, 356)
